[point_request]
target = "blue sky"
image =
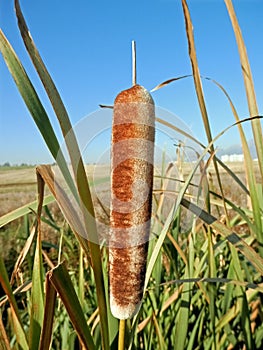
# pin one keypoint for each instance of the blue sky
(86, 46)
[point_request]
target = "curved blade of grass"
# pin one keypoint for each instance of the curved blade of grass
(77, 166)
(81, 284)
(167, 82)
(242, 212)
(23, 210)
(49, 311)
(228, 281)
(37, 292)
(249, 165)
(37, 299)
(250, 175)
(183, 317)
(4, 342)
(227, 233)
(65, 204)
(158, 332)
(112, 321)
(239, 122)
(233, 312)
(224, 166)
(18, 325)
(63, 118)
(199, 91)
(34, 105)
(23, 254)
(196, 74)
(61, 281)
(247, 156)
(249, 85)
(47, 81)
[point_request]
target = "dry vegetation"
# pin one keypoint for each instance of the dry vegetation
(18, 186)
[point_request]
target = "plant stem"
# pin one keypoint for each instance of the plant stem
(134, 68)
(121, 340)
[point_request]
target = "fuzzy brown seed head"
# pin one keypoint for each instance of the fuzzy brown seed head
(131, 196)
(137, 93)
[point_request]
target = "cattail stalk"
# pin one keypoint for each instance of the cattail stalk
(134, 68)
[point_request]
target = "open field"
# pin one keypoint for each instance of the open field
(18, 186)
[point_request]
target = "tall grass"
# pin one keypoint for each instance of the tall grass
(203, 283)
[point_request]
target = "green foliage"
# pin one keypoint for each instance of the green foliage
(203, 283)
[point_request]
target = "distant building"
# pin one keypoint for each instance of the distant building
(232, 158)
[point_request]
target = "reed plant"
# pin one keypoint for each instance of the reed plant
(203, 283)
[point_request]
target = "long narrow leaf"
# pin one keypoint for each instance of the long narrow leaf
(183, 317)
(4, 342)
(37, 292)
(250, 175)
(23, 210)
(249, 85)
(190, 137)
(60, 279)
(247, 156)
(230, 235)
(65, 124)
(199, 90)
(34, 105)
(17, 322)
(66, 204)
(49, 311)
(77, 166)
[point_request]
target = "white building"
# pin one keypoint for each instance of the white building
(232, 158)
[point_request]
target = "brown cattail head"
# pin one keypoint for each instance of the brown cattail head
(131, 198)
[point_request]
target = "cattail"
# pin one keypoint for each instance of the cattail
(131, 198)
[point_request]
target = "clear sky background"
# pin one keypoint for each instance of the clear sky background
(86, 46)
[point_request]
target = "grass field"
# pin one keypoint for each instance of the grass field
(19, 187)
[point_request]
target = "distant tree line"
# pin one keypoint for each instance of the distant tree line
(24, 165)
(7, 164)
